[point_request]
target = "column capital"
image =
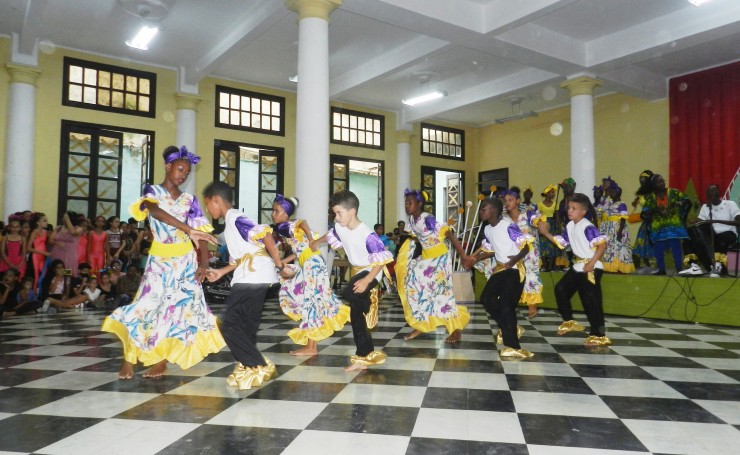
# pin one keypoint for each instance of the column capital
(23, 74)
(321, 9)
(582, 85)
(403, 136)
(187, 101)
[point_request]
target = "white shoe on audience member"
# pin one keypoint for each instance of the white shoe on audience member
(693, 270)
(45, 306)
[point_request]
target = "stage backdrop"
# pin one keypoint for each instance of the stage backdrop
(704, 131)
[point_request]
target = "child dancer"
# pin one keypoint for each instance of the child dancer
(37, 245)
(97, 246)
(13, 250)
(505, 242)
(547, 209)
(114, 237)
(425, 282)
(254, 271)
(584, 277)
(368, 256)
(169, 318)
(306, 296)
(527, 222)
(618, 254)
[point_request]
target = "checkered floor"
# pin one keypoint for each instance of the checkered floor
(663, 387)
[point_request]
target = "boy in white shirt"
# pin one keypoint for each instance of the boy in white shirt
(367, 255)
(588, 245)
(252, 248)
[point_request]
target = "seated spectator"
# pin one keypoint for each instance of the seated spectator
(114, 271)
(16, 298)
(128, 285)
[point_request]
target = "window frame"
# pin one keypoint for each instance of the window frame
(151, 77)
(359, 114)
(261, 96)
(443, 129)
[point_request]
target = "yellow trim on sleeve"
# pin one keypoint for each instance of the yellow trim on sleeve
(135, 209)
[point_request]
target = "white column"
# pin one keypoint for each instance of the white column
(19, 185)
(582, 154)
(187, 125)
(403, 172)
(312, 113)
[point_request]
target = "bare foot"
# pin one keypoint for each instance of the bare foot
(355, 367)
(454, 337)
(126, 371)
(307, 351)
(532, 311)
(412, 335)
(157, 370)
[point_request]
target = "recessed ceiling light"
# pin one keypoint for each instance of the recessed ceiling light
(424, 98)
(142, 38)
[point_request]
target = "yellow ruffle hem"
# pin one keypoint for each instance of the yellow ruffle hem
(620, 267)
(327, 329)
(170, 349)
(531, 298)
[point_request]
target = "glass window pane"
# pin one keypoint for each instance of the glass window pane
(235, 117)
(256, 103)
(223, 99)
(89, 95)
(103, 79)
(336, 133)
(227, 158)
(91, 76)
(376, 125)
(235, 99)
(345, 120)
(117, 99)
(77, 205)
(144, 88)
(227, 176)
(118, 81)
(107, 189)
(245, 104)
(106, 209)
(265, 122)
(345, 134)
(376, 139)
(353, 135)
(276, 124)
(336, 119)
(104, 97)
(132, 84)
(268, 182)
(245, 119)
(361, 137)
(75, 93)
(75, 74)
(255, 121)
(78, 165)
(353, 121)
(79, 143)
(144, 103)
(223, 116)
(275, 108)
(361, 123)
(265, 107)
(269, 164)
(424, 133)
(445, 137)
(131, 101)
(425, 147)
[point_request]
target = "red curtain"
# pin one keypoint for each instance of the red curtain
(705, 128)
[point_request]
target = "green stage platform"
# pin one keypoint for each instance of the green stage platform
(707, 300)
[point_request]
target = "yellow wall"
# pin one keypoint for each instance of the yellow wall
(630, 135)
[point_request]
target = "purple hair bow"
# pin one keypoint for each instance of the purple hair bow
(182, 154)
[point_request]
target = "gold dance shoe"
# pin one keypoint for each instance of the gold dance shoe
(269, 369)
(500, 336)
(239, 372)
(570, 326)
(374, 358)
(594, 341)
(512, 353)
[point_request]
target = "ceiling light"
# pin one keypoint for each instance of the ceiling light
(142, 39)
(697, 2)
(516, 110)
(424, 98)
(293, 78)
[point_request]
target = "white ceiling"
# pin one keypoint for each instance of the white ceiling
(481, 52)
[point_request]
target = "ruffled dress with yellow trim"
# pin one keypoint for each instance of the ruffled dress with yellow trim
(307, 296)
(168, 318)
(425, 283)
(618, 254)
(527, 223)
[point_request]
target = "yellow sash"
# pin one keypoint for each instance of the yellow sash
(591, 276)
(170, 250)
(249, 258)
(434, 252)
(305, 254)
(519, 265)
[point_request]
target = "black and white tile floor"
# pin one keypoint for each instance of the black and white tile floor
(663, 388)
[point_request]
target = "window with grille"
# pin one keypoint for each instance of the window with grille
(357, 128)
(442, 142)
(92, 85)
(250, 111)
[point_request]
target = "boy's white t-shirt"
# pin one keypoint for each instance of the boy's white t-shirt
(354, 243)
(92, 295)
(243, 239)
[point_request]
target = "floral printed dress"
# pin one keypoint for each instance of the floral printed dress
(169, 318)
(618, 254)
(425, 283)
(307, 296)
(642, 247)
